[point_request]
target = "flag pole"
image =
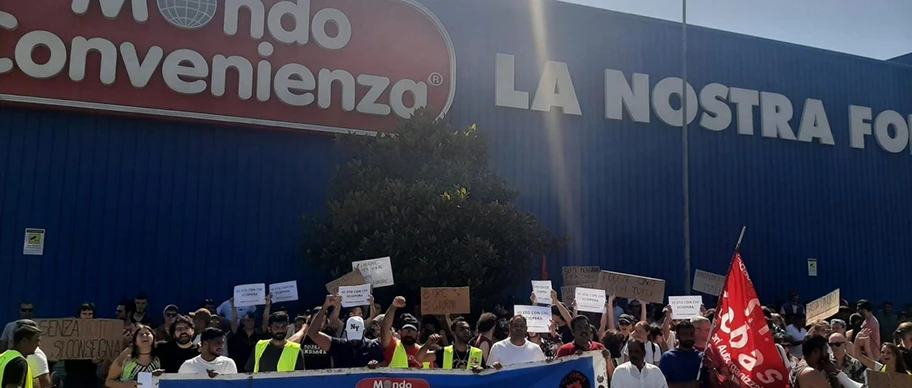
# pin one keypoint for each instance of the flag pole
(741, 237)
(685, 150)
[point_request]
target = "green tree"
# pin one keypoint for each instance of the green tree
(427, 198)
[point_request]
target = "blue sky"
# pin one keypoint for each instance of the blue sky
(879, 29)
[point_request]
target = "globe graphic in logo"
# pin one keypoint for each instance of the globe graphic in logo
(188, 14)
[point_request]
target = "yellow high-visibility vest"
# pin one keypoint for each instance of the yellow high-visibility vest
(400, 358)
(473, 361)
(287, 361)
(11, 355)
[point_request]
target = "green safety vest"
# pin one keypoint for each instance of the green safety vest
(400, 358)
(287, 361)
(11, 355)
(473, 361)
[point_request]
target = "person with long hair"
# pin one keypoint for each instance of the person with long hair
(890, 361)
(136, 359)
(641, 334)
(487, 322)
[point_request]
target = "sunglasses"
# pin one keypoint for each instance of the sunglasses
(171, 315)
(27, 310)
(836, 344)
(623, 324)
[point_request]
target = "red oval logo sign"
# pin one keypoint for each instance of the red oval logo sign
(392, 383)
(325, 65)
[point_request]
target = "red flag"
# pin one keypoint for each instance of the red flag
(544, 268)
(741, 346)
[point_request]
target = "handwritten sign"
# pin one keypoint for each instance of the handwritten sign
(887, 380)
(685, 307)
(439, 300)
(578, 276)
(538, 318)
(708, 283)
(355, 295)
(81, 339)
(542, 291)
(823, 307)
(377, 272)
(590, 300)
(632, 287)
(250, 294)
(352, 278)
(284, 292)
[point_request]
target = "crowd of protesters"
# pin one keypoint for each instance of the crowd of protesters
(643, 345)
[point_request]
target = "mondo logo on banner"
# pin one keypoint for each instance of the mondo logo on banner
(323, 65)
(393, 383)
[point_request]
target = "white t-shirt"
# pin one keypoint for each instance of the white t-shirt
(196, 365)
(628, 375)
(38, 363)
(797, 335)
(653, 353)
(506, 353)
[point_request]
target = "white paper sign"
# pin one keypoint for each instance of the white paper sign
(708, 283)
(144, 379)
(542, 290)
(34, 242)
(812, 267)
(590, 300)
(353, 296)
(538, 318)
(284, 291)
(250, 294)
(685, 307)
(377, 272)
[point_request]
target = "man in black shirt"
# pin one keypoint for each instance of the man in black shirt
(354, 351)
(24, 342)
(173, 353)
(459, 356)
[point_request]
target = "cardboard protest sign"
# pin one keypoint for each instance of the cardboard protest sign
(542, 291)
(284, 292)
(888, 380)
(685, 307)
(623, 285)
(353, 278)
(439, 300)
(590, 300)
(355, 295)
(568, 293)
(81, 339)
(578, 276)
(538, 318)
(377, 272)
(250, 294)
(823, 307)
(708, 283)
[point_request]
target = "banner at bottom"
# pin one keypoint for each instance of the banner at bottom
(587, 371)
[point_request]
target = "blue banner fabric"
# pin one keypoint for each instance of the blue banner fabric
(587, 371)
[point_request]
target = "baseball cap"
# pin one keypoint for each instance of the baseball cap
(354, 328)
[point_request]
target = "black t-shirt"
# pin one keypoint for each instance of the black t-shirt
(269, 362)
(907, 357)
(146, 319)
(15, 372)
(240, 345)
(460, 359)
(173, 356)
(80, 373)
(566, 333)
(314, 357)
(349, 354)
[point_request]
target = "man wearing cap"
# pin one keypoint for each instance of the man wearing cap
(625, 325)
(170, 314)
(276, 354)
(400, 353)
(351, 352)
(14, 368)
(37, 361)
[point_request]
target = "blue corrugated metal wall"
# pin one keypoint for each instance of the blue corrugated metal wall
(207, 207)
(182, 211)
(621, 180)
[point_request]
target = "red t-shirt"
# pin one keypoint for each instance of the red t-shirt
(570, 349)
(410, 351)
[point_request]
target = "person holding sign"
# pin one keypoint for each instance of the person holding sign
(14, 368)
(350, 352)
(515, 349)
(276, 354)
(460, 355)
(136, 359)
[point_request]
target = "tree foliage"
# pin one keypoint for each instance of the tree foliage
(427, 198)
